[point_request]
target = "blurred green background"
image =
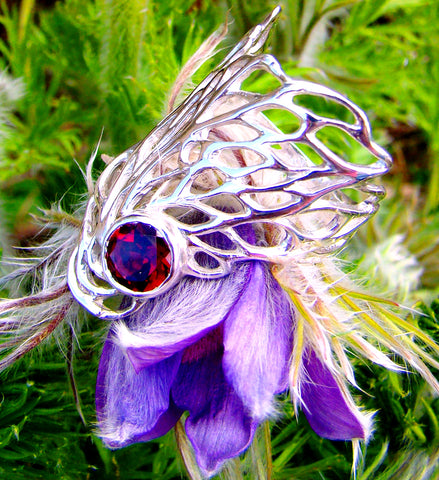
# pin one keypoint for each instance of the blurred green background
(72, 68)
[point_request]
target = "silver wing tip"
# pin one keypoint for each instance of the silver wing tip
(260, 32)
(254, 40)
(273, 15)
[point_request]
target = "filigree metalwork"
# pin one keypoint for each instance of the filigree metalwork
(218, 162)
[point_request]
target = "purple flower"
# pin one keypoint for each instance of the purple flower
(220, 350)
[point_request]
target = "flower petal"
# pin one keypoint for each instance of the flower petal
(178, 318)
(133, 407)
(217, 426)
(329, 409)
(257, 342)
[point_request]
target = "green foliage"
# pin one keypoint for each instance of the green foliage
(393, 47)
(110, 64)
(87, 67)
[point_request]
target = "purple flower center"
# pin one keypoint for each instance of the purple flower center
(210, 343)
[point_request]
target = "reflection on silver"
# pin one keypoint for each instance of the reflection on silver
(225, 158)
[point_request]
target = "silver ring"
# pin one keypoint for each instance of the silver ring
(218, 163)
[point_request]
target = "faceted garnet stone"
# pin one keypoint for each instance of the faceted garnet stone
(137, 257)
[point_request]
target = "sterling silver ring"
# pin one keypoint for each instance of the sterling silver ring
(221, 163)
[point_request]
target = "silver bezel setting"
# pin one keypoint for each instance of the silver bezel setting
(177, 250)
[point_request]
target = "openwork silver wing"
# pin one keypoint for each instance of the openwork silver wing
(228, 157)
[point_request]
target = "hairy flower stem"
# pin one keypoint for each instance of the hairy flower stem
(267, 441)
(34, 341)
(33, 300)
(186, 453)
(71, 374)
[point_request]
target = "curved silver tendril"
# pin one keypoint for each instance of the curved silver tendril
(227, 157)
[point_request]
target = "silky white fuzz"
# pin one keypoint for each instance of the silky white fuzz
(333, 316)
(201, 306)
(26, 321)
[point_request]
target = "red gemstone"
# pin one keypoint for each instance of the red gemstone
(137, 257)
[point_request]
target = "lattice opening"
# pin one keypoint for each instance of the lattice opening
(262, 234)
(206, 261)
(225, 203)
(218, 240)
(325, 107)
(232, 130)
(351, 195)
(315, 185)
(229, 102)
(260, 81)
(267, 201)
(317, 225)
(188, 215)
(207, 180)
(95, 250)
(95, 280)
(288, 155)
(266, 177)
(345, 146)
(116, 302)
(311, 155)
(191, 154)
(237, 158)
(229, 131)
(283, 119)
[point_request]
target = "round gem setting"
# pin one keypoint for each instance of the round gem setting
(138, 257)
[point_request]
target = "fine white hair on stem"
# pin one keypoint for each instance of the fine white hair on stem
(27, 320)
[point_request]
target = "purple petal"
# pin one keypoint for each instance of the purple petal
(257, 342)
(325, 407)
(133, 407)
(178, 318)
(217, 425)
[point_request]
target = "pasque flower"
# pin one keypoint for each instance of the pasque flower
(219, 349)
